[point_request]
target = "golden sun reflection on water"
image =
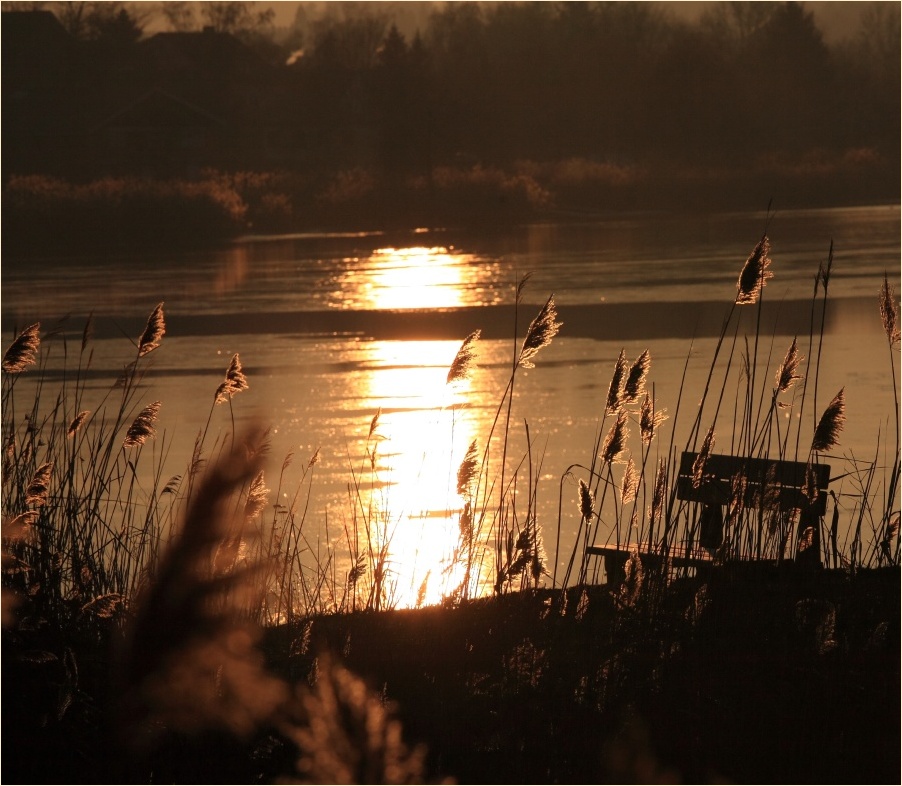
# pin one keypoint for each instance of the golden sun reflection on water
(424, 428)
(420, 437)
(405, 278)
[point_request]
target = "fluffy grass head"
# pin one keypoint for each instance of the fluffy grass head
(826, 435)
(234, 381)
(755, 274)
(153, 332)
(463, 360)
(23, 352)
(541, 331)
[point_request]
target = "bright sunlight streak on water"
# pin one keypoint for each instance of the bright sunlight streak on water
(418, 441)
(403, 278)
(423, 427)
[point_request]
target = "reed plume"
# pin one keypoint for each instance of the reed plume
(615, 389)
(630, 485)
(22, 353)
(634, 386)
(755, 274)
(346, 733)
(786, 374)
(463, 360)
(153, 332)
(39, 486)
(234, 381)
(826, 435)
(466, 472)
(888, 313)
(701, 460)
(142, 428)
(586, 502)
(615, 442)
(190, 664)
(649, 420)
(257, 497)
(77, 422)
(541, 330)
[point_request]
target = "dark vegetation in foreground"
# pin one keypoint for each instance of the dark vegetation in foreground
(176, 631)
(767, 676)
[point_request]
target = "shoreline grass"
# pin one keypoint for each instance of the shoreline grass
(231, 631)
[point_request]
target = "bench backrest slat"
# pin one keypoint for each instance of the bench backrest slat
(776, 481)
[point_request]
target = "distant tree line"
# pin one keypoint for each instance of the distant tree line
(547, 93)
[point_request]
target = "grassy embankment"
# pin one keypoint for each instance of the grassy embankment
(231, 651)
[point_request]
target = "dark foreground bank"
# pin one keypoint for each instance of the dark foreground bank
(771, 676)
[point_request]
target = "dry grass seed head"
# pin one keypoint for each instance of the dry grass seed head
(153, 332)
(234, 381)
(463, 360)
(701, 460)
(257, 497)
(586, 502)
(826, 435)
(142, 427)
(38, 488)
(466, 472)
(615, 389)
(634, 386)
(660, 491)
(786, 373)
(77, 421)
(191, 663)
(540, 333)
(348, 735)
(22, 353)
(888, 311)
(630, 485)
(755, 274)
(649, 420)
(615, 442)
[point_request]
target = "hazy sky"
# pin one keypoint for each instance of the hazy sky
(836, 19)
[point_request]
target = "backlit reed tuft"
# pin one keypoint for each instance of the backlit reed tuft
(142, 428)
(77, 422)
(346, 733)
(257, 497)
(701, 460)
(153, 332)
(466, 472)
(541, 330)
(615, 442)
(586, 502)
(615, 389)
(888, 312)
(36, 493)
(630, 484)
(234, 381)
(634, 386)
(190, 663)
(463, 360)
(754, 274)
(22, 353)
(374, 423)
(786, 374)
(649, 420)
(826, 435)
(660, 489)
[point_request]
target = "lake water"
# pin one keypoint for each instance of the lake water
(332, 329)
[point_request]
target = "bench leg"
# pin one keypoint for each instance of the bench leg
(615, 567)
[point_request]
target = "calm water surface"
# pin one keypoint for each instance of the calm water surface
(332, 329)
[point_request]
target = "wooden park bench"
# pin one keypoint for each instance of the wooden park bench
(768, 483)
